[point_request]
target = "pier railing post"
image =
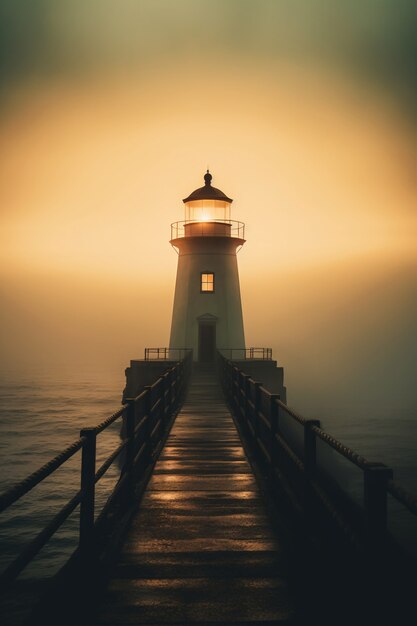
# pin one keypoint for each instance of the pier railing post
(310, 464)
(179, 383)
(176, 387)
(376, 477)
(169, 393)
(88, 473)
(273, 420)
(241, 392)
(163, 399)
(246, 405)
(310, 446)
(257, 405)
(229, 378)
(182, 378)
(148, 427)
(130, 448)
(235, 392)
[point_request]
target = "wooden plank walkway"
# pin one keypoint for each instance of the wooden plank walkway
(201, 549)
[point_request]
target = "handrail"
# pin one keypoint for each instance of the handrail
(273, 446)
(154, 409)
(106, 423)
(294, 415)
(24, 486)
(345, 451)
(31, 550)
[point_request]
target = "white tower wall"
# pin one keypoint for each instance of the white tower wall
(221, 308)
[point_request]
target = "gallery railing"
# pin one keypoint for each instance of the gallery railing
(312, 466)
(207, 228)
(240, 354)
(166, 354)
(144, 420)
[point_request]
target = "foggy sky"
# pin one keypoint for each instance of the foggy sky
(373, 39)
(301, 110)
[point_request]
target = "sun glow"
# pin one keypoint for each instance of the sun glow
(330, 177)
(301, 111)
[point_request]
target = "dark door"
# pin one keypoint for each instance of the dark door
(206, 342)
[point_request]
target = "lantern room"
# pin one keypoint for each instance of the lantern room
(207, 204)
(207, 214)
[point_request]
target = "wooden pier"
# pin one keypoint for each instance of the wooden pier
(226, 511)
(202, 548)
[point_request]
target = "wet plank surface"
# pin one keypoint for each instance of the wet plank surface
(201, 549)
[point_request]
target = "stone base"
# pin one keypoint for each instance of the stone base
(142, 373)
(266, 372)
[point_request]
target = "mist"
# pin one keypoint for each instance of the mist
(344, 333)
(303, 113)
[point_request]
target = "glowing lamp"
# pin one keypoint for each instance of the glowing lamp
(207, 204)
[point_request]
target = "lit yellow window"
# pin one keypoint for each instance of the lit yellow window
(207, 282)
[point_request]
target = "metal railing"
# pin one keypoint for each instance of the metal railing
(300, 455)
(212, 228)
(145, 420)
(253, 354)
(166, 354)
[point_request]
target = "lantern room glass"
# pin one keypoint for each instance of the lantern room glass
(207, 211)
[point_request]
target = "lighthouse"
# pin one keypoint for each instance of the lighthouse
(207, 312)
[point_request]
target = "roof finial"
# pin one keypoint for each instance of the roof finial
(207, 178)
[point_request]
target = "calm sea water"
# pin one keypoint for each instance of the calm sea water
(40, 414)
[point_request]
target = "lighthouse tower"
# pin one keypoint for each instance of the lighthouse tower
(207, 313)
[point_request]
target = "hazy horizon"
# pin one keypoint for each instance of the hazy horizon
(303, 113)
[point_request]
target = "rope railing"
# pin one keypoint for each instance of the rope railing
(27, 484)
(145, 420)
(107, 422)
(291, 412)
(345, 451)
(285, 444)
(409, 500)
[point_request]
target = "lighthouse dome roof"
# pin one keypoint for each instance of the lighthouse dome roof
(207, 192)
